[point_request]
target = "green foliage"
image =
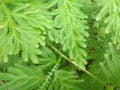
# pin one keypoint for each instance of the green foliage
(21, 25)
(70, 24)
(110, 12)
(111, 67)
(21, 77)
(59, 44)
(67, 81)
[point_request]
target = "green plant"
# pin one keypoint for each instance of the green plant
(59, 44)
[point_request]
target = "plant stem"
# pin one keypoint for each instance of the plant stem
(79, 67)
(46, 82)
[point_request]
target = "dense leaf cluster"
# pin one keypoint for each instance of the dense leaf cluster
(59, 44)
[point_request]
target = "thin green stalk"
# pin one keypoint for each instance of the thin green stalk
(79, 67)
(46, 82)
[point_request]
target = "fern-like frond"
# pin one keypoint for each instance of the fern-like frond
(70, 24)
(97, 46)
(65, 80)
(111, 67)
(110, 13)
(90, 83)
(49, 76)
(47, 58)
(21, 77)
(23, 29)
